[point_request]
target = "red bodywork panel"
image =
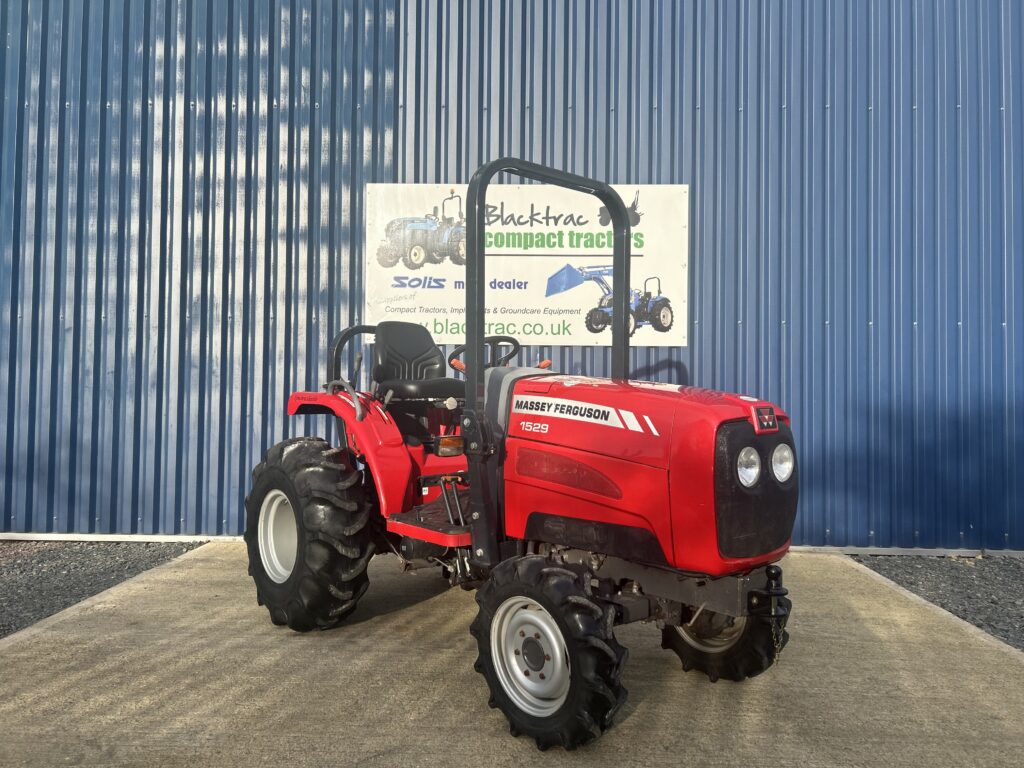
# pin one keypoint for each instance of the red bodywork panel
(394, 466)
(434, 537)
(655, 441)
(634, 454)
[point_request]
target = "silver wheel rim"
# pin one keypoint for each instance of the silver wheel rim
(530, 656)
(417, 254)
(632, 323)
(666, 315)
(721, 642)
(462, 249)
(278, 537)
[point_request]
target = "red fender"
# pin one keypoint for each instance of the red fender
(376, 440)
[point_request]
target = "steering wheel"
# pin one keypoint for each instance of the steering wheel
(492, 343)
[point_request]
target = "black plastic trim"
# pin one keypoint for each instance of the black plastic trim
(758, 520)
(625, 541)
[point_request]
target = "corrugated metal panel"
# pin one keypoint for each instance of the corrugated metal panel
(180, 183)
(857, 252)
(857, 247)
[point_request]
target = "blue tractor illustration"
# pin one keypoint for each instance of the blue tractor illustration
(646, 307)
(420, 240)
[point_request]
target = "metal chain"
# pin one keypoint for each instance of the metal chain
(776, 639)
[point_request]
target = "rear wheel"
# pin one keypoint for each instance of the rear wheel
(721, 646)
(309, 534)
(662, 316)
(548, 652)
(457, 248)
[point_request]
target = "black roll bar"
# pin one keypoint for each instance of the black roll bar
(483, 441)
(338, 345)
(336, 381)
(476, 278)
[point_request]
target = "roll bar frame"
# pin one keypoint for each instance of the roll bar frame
(484, 443)
(476, 282)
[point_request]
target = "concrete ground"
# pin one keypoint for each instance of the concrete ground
(178, 666)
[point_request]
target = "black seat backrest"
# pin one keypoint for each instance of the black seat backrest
(405, 351)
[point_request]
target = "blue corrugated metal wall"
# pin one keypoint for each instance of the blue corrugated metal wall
(857, 230)
(181, 191)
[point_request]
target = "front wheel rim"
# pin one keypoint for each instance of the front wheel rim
(719, 643)
(278, 536)
(418, 254)
(530, 656)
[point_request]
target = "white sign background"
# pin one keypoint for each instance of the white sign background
(564, 227)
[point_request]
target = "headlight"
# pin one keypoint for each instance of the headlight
(783, 462)
(748, 466)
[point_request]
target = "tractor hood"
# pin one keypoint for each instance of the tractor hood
(650, 468)
(406, 222)
(631, 420)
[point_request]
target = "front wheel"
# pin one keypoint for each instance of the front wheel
(416, 256)
(721, 646)
(388, 255)
(309, 534)
(548, 652)
(596, 320)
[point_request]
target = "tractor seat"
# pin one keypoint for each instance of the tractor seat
(427, 389)
(409, 364)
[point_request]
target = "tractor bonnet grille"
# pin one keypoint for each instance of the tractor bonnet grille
(758, 520)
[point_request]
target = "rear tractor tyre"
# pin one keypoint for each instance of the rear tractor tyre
(662, 316)
(309, 533)
(457, 248)
(725, 647)
(548, 652)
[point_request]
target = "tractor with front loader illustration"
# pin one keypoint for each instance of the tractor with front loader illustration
(420, 240)
(646, 307)
(572, 504)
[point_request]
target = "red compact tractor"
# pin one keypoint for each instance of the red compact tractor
(572, 504)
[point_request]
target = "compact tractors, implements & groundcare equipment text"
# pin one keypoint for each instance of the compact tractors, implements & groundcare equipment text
(572, 504)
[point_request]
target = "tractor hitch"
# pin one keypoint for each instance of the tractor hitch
(770, 602)
(771, 606)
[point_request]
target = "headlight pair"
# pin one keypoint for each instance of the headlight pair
(748, 464)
